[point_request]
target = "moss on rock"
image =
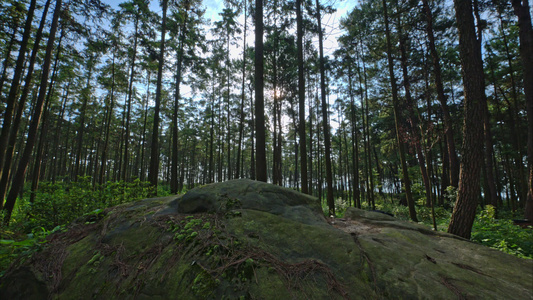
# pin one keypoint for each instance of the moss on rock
(248, 240)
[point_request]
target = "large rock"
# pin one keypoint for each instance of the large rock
(251, 240)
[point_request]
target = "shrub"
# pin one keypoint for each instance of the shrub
(501, 234)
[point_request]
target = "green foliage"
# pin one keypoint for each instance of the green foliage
(11, 249)
(58, 204)
(502, 234)
(63, 202)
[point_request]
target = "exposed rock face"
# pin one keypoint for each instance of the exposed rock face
(249, 239)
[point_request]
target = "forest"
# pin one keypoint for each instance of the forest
(421, 108)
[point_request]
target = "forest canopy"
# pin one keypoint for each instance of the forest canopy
(423, 104)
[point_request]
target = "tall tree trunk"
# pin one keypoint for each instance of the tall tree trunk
(7, 55)
(261, 166)
(44, 127)
(126, 157)
(15, 82)
(355, 142)
(325, 121)
(521, 10)
(397, 120)
(311, 126)
(174, 163)
(153, 174)
(238, 172)
(109, 116)
(474, 96)
(413, 120)
(513, 112)
(252, 138)
(59, 127)
(83, 110)
(448, 131)
(142, 172)
(276, 179)
(369, 180)
(211, 141)
(301, 99)
(10, 130)
(18, 179)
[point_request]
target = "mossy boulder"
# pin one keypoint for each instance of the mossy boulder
(244, 239)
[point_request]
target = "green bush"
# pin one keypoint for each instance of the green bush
(56, 205)
(62, 202)
(502, 234)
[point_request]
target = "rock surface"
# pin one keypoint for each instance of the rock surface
(251, 240)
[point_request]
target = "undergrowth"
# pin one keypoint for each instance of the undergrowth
(57, 205)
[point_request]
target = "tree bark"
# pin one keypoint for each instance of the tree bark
(521, 10)
(261, 166)
(301, 100)
(474, 96)
(153, 174)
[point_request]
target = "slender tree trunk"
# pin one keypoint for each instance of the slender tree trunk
(491, 196)
(311, 135)
(211, 141)
(174, 164)
(10, 130)
(355, 142)
(18, 179)
(275, 157)
(325, 121)
(252, 138)
(15, 82)
(83, 110)
(108, 121)
(126, 157)
(397, 120)
(243, 94)
(59, 127)
(153, 174)
(448, 131)
(301, 100)
(142, 172)
(513, 112)
(474, 93)
(521, 10)
(7, 55)
(413, 120)
(44, 127)
(261, 166)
